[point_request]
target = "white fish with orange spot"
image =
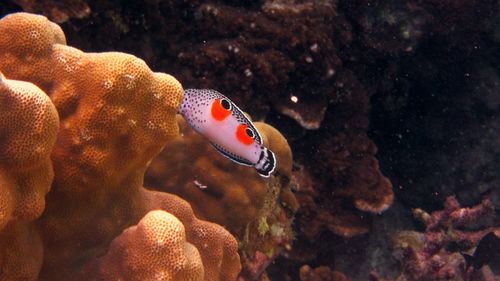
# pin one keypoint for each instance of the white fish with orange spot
(217, 118)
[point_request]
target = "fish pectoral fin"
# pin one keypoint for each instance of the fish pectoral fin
(231, 156)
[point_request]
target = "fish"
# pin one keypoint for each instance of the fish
(224, 124)
(487, 251)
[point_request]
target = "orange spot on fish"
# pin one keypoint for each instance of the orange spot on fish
(242, 135)
(219, 113)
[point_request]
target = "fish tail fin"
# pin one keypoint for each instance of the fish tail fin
(267, 163)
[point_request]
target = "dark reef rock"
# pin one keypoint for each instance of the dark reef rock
(284, 55)
(347, 173)
(57, 11)
(321, 273)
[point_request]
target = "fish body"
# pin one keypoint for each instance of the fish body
(487, 251)
(216, 117)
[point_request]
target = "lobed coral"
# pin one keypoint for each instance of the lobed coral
(404, 52)
(274, 56)
(173, 245)
(28, 129)
(196, 172)
(159, 236)
(281, 42)
(258, 211)
(28, 126)
(115, 115)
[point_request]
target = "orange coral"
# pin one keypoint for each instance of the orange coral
(193, 164)
(216, 246)
(257, 210)
(194, 170)
(28, 128)
(143, 252)
(116, 115)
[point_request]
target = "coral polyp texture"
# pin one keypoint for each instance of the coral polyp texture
(115, 115)
(28, 126)
(160, 236)
(258, 211)
(28, 129)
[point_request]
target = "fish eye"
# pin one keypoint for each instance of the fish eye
(225, 104)
(250, 132)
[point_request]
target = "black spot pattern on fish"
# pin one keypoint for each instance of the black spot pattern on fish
(194, 100)
(202, 97)
(191, 108)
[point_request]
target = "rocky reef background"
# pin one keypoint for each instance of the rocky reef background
(388, 106)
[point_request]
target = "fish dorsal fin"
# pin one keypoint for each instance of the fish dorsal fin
(231, 156)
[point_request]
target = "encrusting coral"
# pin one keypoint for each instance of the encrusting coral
(115, 116)
(258, 211)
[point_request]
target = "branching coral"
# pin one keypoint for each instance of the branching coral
(258, 211)
(116, 115)
(434, 255)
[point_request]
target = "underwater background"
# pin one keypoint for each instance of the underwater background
(391, 110)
